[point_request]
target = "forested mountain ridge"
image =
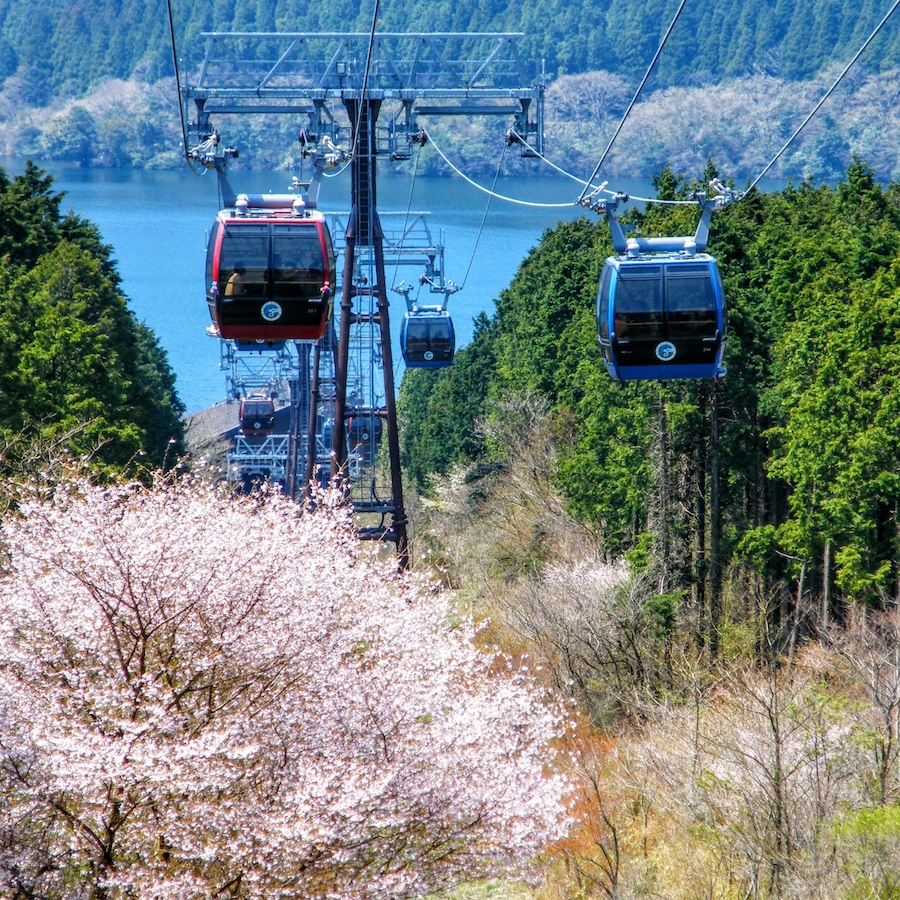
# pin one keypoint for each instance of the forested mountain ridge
(67, 47)
(92, 84)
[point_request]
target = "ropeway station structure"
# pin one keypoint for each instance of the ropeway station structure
(354, 99)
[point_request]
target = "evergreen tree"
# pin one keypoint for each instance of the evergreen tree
(76, 368)
(776, 490)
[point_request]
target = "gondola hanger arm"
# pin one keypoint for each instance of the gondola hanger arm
(630, 246)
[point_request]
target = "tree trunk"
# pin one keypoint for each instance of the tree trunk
(896, 546)
(663, 528)
(715, 529)
(701, 569)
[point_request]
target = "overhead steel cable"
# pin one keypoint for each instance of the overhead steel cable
(491, 196)
(409, 200)
(826, 95)
(366, 70)
(520, 139)
(602, 188)
(184, 136)
(634, 99)
(495, 195)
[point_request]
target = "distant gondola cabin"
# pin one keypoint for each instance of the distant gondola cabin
(363, 431)
(270, 276)
(257, 416)
(661, 317)
(427, 339)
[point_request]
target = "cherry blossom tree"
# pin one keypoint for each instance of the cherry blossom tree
(203, 695)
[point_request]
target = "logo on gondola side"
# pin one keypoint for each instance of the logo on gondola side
(271, 311)
(665, 352)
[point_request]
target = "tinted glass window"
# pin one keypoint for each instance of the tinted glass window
(329, 250)
(691, 301)
(639, 303)
(244, 261)
(603, 303)
(298, 247)
(416, 337)
(424, 334)
(298, 268)
(210, 258)
(258, 410)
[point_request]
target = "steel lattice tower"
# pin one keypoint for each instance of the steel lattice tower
(314, 78)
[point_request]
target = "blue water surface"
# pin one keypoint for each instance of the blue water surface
(157, 223)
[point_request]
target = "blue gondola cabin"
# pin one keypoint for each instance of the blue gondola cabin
(661, 317)
(427, 339)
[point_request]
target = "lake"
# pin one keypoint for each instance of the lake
(157, 223)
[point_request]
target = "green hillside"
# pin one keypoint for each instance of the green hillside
(706, 567)
(67, 47)
(781, 479)
(80, 377)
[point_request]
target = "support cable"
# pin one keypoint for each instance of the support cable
(366, 70)
(602, 188)
(520, 139)
(488, 191)
(826, 95)
(339, 172)
(635, 98)
(184, 136)
(412, 188)
(491, 196)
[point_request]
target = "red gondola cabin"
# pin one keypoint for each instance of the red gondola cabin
(270, 275)
(257, 416)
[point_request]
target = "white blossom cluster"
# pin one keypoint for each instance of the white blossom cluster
(204, 695)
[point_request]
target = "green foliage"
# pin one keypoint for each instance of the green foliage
(539, 312)
(76, 369)
(869, 841)
(836, 387)
(661, 611)
(606, 470)
(71, 137)
(66, 47)
(29, 219)
(788, 468)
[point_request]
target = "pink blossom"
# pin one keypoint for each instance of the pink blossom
(201, 693)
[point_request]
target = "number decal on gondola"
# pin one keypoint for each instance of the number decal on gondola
(271, 311)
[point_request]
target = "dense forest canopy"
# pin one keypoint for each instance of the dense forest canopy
(92, 84)
(66, 47)
(782, 476)
(78, 372)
